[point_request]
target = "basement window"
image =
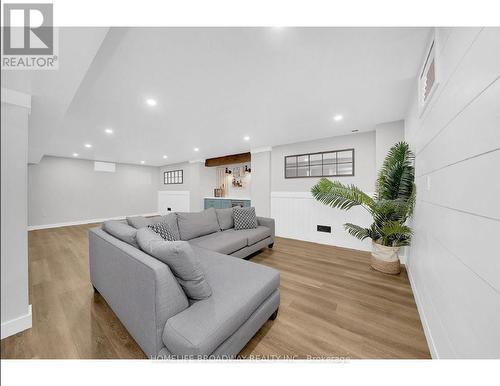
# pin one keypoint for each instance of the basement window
(335, 163)
(173, 177)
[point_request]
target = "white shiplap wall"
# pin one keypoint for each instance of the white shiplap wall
(454, 263)
(297, 215)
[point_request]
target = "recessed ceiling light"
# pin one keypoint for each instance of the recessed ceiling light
(165, 157)
(246, 138)
(143, 162)
(108, 131)
(338, 118)
(196, 149)
(75, 154)
(88, 145)
(151, 102)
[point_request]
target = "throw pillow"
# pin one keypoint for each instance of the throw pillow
(163, 229)
(171, 220)
(181, 259)
(245, 218)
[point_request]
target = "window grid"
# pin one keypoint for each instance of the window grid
(173, 177)
(327, 161)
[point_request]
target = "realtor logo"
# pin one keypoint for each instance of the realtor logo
(28, 36)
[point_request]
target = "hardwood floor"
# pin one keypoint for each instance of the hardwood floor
(332, 305)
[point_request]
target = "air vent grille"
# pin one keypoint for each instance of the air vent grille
(428, 80)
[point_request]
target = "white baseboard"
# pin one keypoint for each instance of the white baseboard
(16, 325)
(402, 259)
(81, 222)
(421, 312)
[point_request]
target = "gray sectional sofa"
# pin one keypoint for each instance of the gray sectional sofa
(147, 297)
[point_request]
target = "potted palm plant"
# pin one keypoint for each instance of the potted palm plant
(391, 206)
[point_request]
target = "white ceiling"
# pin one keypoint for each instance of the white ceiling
(213, 87)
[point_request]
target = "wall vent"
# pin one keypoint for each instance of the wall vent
(324, 228)
(428, 80)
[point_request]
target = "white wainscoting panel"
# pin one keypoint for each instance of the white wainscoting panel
(297, 214)
(177, 201)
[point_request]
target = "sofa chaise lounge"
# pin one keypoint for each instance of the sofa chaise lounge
(147, 298)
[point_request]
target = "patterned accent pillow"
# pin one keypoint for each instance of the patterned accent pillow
(163, 229)
(244, 218)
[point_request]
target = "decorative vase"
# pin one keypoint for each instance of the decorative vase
(385, 259)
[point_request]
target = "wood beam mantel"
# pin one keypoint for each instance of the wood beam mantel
(228, 159)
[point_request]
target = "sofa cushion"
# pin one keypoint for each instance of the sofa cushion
(197, 224)
(225, 218)
(141, 222)
(239, 287)
(163, 229)
(253, 236)
(244, 218)
(121, 231)
(138, 222)
(182, 260)
(226, 242)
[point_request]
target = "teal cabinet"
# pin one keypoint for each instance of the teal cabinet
(243, 203)
(221, 203)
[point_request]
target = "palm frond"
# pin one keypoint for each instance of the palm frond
(396, 234)
(390, 210)
(395, 179)
(392, 228)
(337, 195)
(357, 231)
(392, 205)
(411, 201)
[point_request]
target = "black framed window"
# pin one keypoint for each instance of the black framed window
(173, 177)
(335, 163)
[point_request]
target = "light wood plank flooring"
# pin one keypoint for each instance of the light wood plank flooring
(332, 305)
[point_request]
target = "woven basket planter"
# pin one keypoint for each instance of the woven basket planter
(385, 259)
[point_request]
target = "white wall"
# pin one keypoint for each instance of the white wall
(295, 211)
(15, 308)
(454, 262)
(260, 189)
(198, 180)
(364, 153)
(187, 177)
(386, 135)
(66, 190)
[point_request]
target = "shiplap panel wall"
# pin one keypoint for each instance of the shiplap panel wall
(454, 262)
(297, 215)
